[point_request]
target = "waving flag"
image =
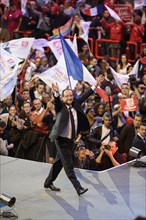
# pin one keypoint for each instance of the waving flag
(56, 47)
(7, 60)
(19, 47)
(113, 13)
(8, 83)
(64, 30)
(68, 70)
(138, 4)
(86, 25)
(73, 63)
(94, 11)
(120, 78)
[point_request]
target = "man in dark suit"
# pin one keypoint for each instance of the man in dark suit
(127, 135)
(102, 134)
(140, 139)
(63, 133)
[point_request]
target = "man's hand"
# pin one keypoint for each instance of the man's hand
(55, 87)
(99, 80)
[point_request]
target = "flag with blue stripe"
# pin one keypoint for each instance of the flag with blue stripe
(73, 64)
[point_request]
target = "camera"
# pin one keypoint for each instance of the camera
(108, 147)
(132, 79)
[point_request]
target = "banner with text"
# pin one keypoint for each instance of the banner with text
(124, 12)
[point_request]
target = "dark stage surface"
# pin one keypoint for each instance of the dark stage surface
(119, 193)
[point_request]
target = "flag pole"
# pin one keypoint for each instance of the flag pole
(65, 59)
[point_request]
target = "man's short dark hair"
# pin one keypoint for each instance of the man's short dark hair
(107, 114)
(65, 90)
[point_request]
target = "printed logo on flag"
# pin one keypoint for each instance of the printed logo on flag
(24, 44)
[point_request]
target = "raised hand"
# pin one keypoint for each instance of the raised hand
(55, 87)
(99, 80)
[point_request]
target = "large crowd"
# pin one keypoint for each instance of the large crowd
(28, 114)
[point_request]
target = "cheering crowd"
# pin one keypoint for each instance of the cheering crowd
(116, 112)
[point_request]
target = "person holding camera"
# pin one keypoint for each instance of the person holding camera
(109, 156)
(84, 158)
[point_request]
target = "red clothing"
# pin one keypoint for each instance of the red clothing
(116, 30)
(13, 19)
(53, 7)
(40, 126)
(137, 33)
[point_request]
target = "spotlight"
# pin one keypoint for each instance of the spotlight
(135, 152)
(7, 200)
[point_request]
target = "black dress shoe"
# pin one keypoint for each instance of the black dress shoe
(52, 187)
(82, 191)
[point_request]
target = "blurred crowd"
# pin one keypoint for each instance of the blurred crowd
(28, 114)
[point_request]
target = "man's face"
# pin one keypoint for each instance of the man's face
(25, 95)
(93, 62)
(142, 130)
(125, 89)
(137, 121)
(106, 14)
(114, 148)
(26, 108)
(107, 122)
(40, 89)
(67, 97)
(141, 88)
(37, 104)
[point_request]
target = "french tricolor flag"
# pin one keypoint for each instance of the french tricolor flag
(94, 11)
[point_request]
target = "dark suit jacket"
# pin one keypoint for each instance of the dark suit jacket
(139, 143)
(126, 138)
(62, 115)
(94, 138)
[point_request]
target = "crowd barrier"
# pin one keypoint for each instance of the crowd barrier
(104, 46)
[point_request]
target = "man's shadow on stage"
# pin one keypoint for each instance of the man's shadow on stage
(77, 212)
(120, 178)
(99, 186)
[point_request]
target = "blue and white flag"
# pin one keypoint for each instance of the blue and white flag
(73, 64)
(68, 70)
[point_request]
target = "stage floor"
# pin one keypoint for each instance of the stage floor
(116, 194)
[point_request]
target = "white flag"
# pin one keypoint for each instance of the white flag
(138, 4)
(113, 13)
(58, 74)
(19, 47)
(8, 59)
(75, 45)
(86, 25)
(39, 44)
(120, 78)
(8, 83)
(56, 47)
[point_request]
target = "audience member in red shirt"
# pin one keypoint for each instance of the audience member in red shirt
(137, 30)
(116, 33)
(52, 6)
(13, 17)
